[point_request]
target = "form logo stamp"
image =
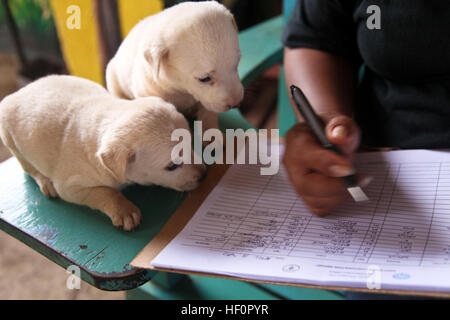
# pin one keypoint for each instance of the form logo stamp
(291, 267)
(401, 276)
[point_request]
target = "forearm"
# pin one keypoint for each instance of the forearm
(327, 80)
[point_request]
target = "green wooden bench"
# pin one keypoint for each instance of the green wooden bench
(69, 234)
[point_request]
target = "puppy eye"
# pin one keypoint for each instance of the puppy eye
(205, 80)
(172, 166)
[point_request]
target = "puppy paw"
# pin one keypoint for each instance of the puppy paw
(127, 218)
(46, 186)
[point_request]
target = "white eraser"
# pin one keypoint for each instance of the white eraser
(357, 194)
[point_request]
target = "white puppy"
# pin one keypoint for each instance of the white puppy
(186, 54)
(82, 144)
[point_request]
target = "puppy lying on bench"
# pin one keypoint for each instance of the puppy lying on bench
(82, 144)
(186, 54)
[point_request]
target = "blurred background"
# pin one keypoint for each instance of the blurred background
(34, 42)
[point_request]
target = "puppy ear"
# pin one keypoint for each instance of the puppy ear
(234, 23)
(114, 157)
(155, 56)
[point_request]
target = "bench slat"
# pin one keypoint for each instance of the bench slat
(261, 47)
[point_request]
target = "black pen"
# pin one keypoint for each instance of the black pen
(318, 128)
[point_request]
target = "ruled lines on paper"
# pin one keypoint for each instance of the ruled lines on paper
(263, 215)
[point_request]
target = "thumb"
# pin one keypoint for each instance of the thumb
(344, 133)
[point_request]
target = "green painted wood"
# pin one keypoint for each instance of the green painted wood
(297, 293)
(261, 48)
(288, 7)
(201, 288)
(233, 119)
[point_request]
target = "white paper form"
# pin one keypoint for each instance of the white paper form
(256, 227)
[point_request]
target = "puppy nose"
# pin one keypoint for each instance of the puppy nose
(234, 103)
(203, 177)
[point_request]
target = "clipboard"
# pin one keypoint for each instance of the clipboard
(186, 211)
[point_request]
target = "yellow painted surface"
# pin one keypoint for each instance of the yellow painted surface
(133, 11)
(80, 46)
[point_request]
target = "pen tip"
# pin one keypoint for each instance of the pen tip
(293, 89)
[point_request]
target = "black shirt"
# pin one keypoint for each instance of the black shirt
(404, 96)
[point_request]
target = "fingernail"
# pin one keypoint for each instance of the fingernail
(338, 171)
(339, 132)
(365, 181)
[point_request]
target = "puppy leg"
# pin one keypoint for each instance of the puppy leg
(45, 184)
(123, 214)
(42, 181)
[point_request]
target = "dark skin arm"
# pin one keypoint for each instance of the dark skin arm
(329, 84)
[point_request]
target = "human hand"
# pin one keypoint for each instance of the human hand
(315, 171)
